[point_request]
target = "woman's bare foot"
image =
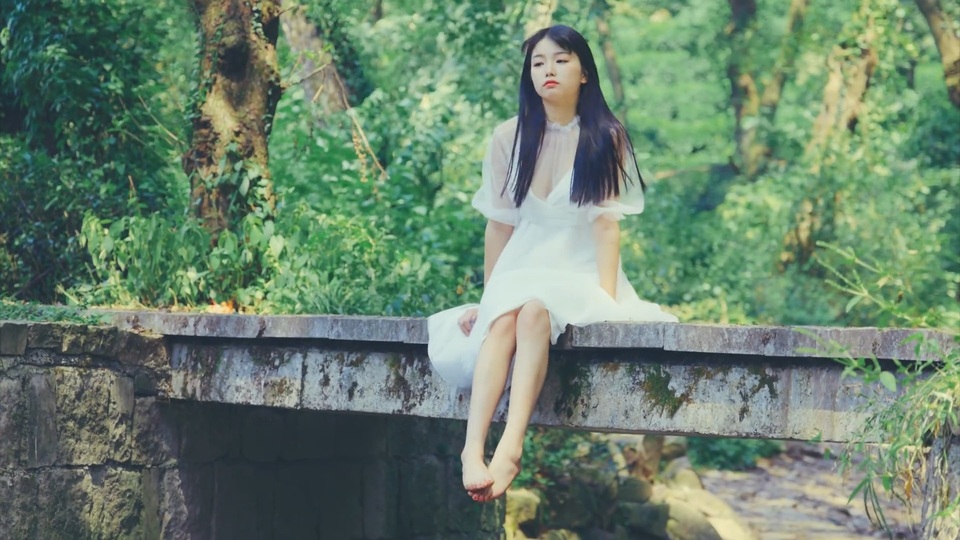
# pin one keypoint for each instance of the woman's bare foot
(476, 476)
(503, 469)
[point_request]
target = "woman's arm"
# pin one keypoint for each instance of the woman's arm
(494, 239)
(606, 235)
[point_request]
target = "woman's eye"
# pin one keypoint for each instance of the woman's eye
(537, 64)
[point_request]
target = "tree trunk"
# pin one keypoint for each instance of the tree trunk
(540, 15)
(239, 91)
(773, 88)
(843, 97)
(947, 43)
(377, 12)
(752, 104)
(942, 487)
(317, 74)
(744, 96)
(844, 92)
(610, 59)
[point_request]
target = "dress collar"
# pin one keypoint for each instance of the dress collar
(563, 128)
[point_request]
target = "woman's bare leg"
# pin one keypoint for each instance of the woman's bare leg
(489, 379)
(529, 372)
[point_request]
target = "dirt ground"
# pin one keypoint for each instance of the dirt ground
(800, 495)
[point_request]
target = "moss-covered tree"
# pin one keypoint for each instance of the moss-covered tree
(239, 87)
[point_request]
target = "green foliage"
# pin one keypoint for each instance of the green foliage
(430, 81)
(78, 135)
(12, 310)
(555, 453)
(282, 267)
(730, 454)
(909, 403)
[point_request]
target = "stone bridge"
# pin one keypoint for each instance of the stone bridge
(190, 426)
(734, 381)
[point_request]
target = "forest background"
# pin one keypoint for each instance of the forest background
(784, 144)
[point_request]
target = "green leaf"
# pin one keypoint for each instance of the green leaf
(853, 302)
(887, 482)
(276, 245)
(863, 483)
(888, 381)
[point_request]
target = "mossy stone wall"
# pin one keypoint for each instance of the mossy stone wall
(91, 448)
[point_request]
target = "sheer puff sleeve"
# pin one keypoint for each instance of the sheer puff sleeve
(492, 200)
(630, 200)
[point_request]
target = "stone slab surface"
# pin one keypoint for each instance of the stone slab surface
(772, 341)
(629, 391)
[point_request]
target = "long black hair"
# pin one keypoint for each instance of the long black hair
(604, 146)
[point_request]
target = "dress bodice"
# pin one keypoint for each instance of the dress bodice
(548, 200)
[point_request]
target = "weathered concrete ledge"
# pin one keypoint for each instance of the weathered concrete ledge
(648, 378)
(778, 341)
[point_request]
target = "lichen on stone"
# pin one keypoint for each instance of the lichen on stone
(573, 377)
(764, 380)
(655, 382)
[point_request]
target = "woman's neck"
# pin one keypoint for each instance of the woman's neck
(561, 114)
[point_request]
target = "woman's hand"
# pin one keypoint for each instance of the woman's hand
(467, 320)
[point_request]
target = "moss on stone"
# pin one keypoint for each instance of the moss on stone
(655, 382)
(573, 377)
(764, 380)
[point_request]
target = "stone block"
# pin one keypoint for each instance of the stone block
(243, 500)
(359, 435)
(156, 433)
(116, 500)
(99, 341)
(147, 382)
(143, 349)
(617, 334)
(411, 436)
(18, 503)
(380, 486)
(94, 416)
(12, 421)
(45, 336)
(309, 435)
(60, 502)
(13, 338)
(100, 502)
(240, 374)
(423, 496)
(150, 493)
(186, 502)
(295, 511)
(262, 433)
(74, 338)
(39, 428)
(208, 431)
(339, 501)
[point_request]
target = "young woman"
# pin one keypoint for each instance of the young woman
(556, 180)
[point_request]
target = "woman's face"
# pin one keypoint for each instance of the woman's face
(556, 72)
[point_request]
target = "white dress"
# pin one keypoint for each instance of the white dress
(550, 257)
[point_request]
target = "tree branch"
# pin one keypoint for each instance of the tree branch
(947, 43)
